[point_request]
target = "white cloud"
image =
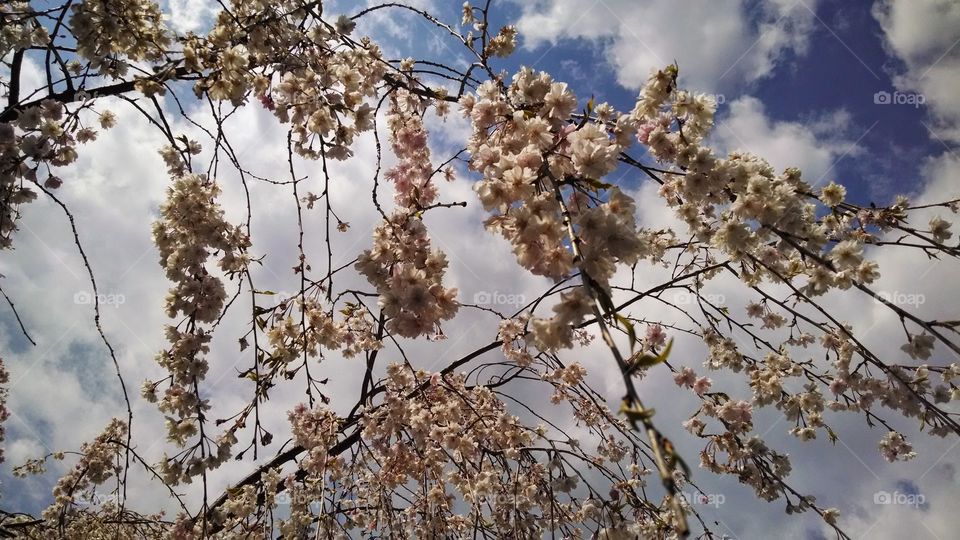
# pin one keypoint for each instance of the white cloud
(919, 29)
(719, 44)
(191, 15)
(815, 146)
(925, 35)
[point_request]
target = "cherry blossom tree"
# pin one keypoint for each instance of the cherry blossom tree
(460, 451)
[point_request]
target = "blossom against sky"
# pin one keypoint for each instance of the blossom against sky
(854, 92)
(829, 68)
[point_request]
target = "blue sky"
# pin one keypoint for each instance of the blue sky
(846, 63)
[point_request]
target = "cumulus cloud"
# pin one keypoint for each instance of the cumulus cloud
(191, 15)
(742, 40)
(815, 145)
(925, 35)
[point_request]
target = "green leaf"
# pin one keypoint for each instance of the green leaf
(666, 352)
(635, 414)
(631, 330)
(605, 302)
(597, 185)
(646, 360)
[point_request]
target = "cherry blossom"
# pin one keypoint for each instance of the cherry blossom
(433, 444)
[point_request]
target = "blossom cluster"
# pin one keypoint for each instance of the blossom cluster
(316, 79)
(458, 457)
(503, 43)
(407, 273)
(513, 345)
(436, 431)
(565, 378)
(316, 431)
(413, 174)
(529, 146)
(408, 276)
(748, 458)
(110, 33)
(191, 229)
(739, 204)
(354, 334)
(557, 332)
(99, 461)
(18, 30)
(40, 137)
(313, 428)
(893, 447)
(770, 223)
